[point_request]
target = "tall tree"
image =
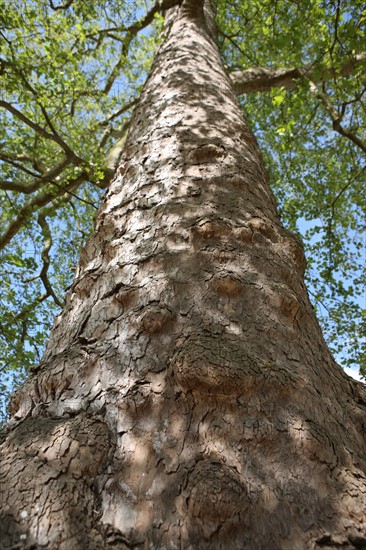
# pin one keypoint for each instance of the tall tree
(187, 398)
(70, 74)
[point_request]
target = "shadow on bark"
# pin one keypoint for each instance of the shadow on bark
(187, 398)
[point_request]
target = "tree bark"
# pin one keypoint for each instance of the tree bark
(186, 399)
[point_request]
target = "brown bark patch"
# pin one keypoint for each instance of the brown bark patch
(83, 287)
(214, 365)
(206, 153)
(127, 298)
(258, 225)
(208, 230)
(316, 443)
(243, 234)
(228, 286)
(156, 320)
(296, 252)
(78, 446)
(216, 499)
(284, 302)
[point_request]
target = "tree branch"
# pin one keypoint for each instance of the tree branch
(116, 69)
(63, 6)
(12, 156)
(244, 53)
(343, 190)
(137, 26)
(47, 177)
(50, 175)
(336, 117)
(113, 155)
(17, 165)
(131, 31)
(18, 187)
(23, 314)
(120, 111)
(41, 131)
(263, 79)
(41, 199)
(45, 255)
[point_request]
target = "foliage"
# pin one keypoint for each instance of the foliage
(70, 76)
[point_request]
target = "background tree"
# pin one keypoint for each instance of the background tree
(71, 74)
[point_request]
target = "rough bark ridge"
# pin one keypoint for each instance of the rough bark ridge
(187, 399)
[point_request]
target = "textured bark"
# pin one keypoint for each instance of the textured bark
(187, 399)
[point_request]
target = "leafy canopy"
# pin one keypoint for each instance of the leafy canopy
(71, 74)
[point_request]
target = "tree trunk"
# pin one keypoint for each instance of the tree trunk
(187, 399)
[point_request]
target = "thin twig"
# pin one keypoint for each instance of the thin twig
(336, 117)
